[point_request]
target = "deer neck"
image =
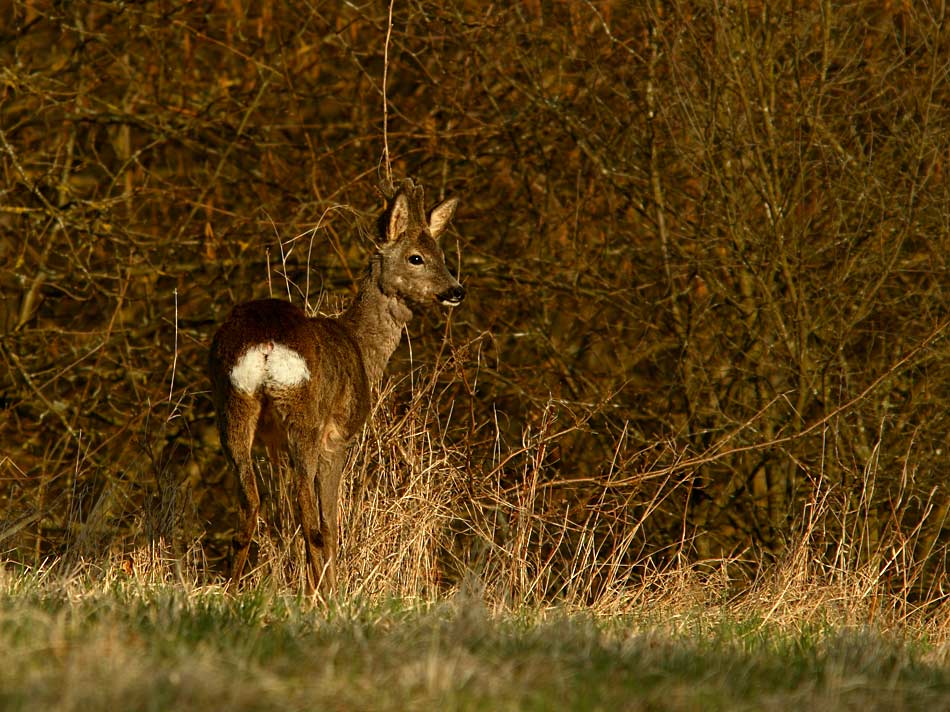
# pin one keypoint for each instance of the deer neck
(376, 320)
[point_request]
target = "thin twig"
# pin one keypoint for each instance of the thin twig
(171, 386)
(389, 32)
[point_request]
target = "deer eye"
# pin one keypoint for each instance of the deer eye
(416, 259)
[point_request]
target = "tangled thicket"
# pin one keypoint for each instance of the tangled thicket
(705, 246)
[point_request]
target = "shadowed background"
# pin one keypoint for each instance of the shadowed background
(705, 248)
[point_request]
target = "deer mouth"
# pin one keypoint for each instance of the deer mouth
(453, 297)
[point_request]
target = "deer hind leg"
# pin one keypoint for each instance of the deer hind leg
(317, 488)
(304, 460)
(236, 424)
(331, 471)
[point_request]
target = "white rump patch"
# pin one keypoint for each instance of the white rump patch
(248, 374)
(269, 364)
(285, 367)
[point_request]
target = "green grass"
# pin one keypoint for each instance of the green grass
(127, 646)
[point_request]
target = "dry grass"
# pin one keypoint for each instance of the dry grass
(422, 517)
(417, 526)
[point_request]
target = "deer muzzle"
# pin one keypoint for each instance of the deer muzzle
(452, 297)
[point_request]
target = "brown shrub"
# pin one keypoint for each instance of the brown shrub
(705, 249)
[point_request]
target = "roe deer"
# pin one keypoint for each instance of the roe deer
(302, 384)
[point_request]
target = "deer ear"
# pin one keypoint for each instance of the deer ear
(441, 216)
(398, 218)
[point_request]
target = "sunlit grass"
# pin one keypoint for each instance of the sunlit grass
(72, 643)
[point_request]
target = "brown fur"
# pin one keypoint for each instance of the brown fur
(315, 421)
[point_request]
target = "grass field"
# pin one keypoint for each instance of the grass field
(86, 642)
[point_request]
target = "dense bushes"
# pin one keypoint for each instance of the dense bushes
(705, 250)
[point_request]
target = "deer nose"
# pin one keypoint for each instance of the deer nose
(453, 297)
